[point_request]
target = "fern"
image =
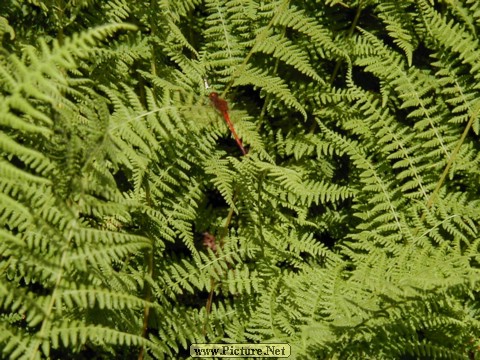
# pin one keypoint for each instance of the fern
(131, 227)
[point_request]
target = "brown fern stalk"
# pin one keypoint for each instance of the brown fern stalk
(209, 241)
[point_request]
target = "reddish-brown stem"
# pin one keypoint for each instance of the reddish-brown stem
(209, 241)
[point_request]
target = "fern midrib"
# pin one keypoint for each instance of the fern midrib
(54, 297)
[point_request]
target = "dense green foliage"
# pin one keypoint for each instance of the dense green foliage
(350, 230)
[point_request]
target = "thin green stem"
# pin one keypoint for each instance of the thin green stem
(452, 158)
(339, 62)
(148, 292)
(260, 39)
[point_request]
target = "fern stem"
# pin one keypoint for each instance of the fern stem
(146, 309)
(59, 9)
(268, 96)
(260, 38)
(339, 62)
(208, 305)
(153, 61)
(47, 321)
(260, 213)
(350, 33)
(148, 293)
(452, 158)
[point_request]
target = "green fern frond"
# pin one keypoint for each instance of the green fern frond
(399, 26)
(131, 227)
